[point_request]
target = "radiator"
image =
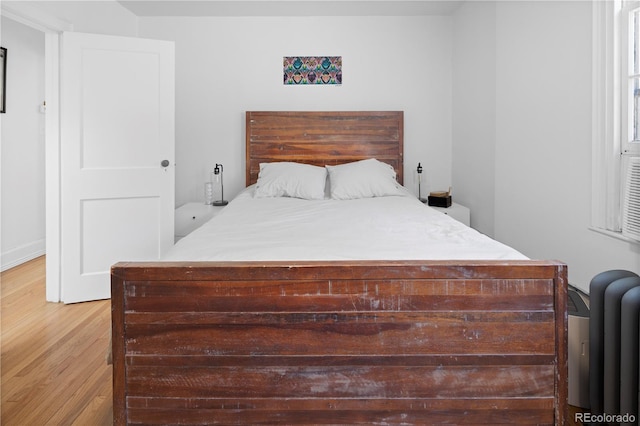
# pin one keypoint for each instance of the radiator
(613, 342)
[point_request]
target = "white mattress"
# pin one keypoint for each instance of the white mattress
(382, 228)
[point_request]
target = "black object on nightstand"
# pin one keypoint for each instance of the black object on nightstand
(440, 199)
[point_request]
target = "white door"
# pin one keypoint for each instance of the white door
(117, 157)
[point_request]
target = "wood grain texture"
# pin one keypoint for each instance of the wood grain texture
(340, 342)
(54, 370)
(323, 138)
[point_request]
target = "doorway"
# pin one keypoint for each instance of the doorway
(23, 145)
(50, 28)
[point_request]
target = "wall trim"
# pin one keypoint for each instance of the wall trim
(22, 254)
(34, 17)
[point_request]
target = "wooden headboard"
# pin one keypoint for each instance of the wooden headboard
(323, 138)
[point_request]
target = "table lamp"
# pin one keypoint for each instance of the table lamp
(217, 173)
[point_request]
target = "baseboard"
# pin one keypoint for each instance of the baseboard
(22, 254)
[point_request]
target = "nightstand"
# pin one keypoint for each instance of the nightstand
(456, 211)
(190, 216)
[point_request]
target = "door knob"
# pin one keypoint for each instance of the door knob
(165, 163)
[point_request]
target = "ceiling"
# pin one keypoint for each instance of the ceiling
(290, 7)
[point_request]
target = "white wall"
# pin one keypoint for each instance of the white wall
(474, 112)
(226, 66)
(542, 131)
(22, 192)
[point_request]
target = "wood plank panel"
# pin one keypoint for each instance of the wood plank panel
(346, 303)
(327, 336)
(346, 334)
(352, 360)
(323, 138)
(528, 414)
(340, 286)
(342, 382)
(343, 303)
(380, 404)
(365, 270)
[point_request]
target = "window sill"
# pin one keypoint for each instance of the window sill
(613, 234)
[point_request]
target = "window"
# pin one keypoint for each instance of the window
(630, 118)
(630, 77)
(616, 108)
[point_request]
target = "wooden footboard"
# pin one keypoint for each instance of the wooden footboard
(417, 342)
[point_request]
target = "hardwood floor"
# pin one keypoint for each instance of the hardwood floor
(53, 368)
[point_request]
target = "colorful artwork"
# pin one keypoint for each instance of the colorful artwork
(312, 70)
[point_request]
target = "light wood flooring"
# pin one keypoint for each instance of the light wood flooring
(53, 367)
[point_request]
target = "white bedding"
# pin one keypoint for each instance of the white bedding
(380, 228)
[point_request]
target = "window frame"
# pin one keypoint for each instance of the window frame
(608, 151)
(605, 194)
(629, 143)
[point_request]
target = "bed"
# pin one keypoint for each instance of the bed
(314, 336)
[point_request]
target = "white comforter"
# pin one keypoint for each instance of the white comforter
(383, 228)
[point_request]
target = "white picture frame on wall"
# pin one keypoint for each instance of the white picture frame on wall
(3, 79)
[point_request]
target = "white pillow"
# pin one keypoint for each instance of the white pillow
(363, 179)
(287, 179)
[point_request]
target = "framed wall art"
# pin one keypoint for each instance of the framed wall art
(3, 79)
(312, 70)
